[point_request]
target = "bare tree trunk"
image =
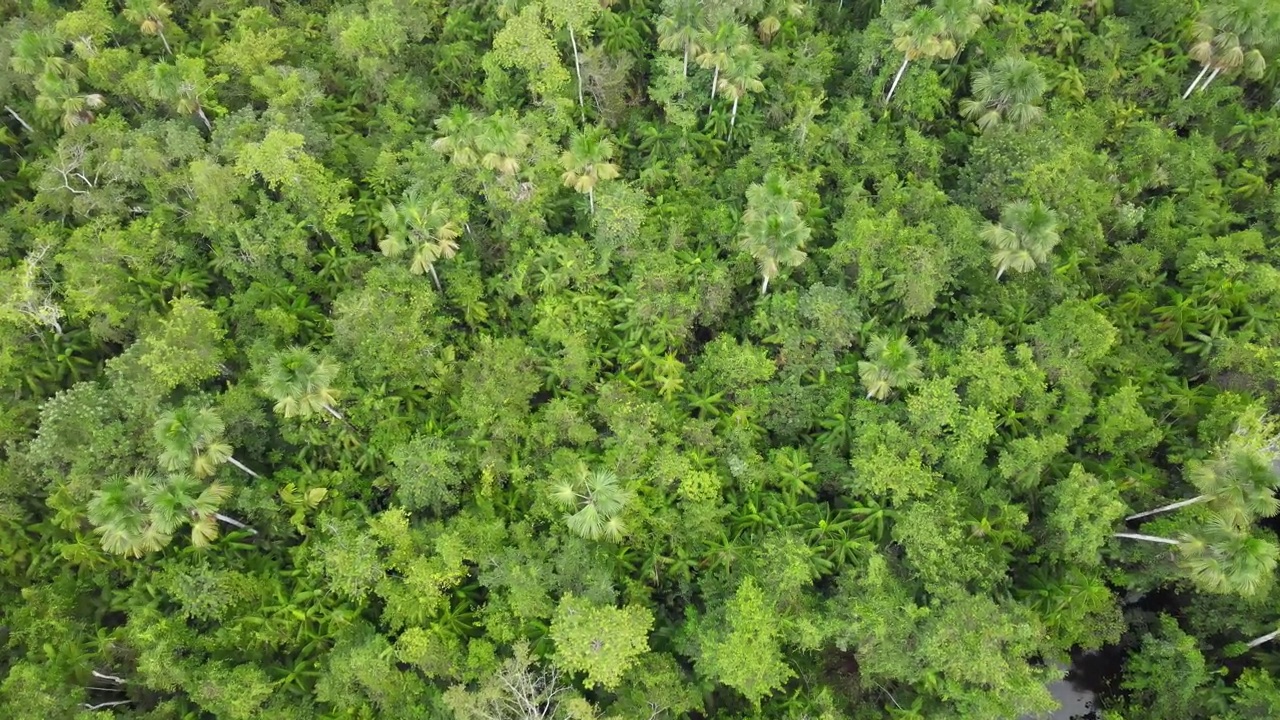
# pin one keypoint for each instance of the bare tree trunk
(686, 60)
(235, 523)
(243, 469)
(164, 40)
(333, 412)
(1210, 78)
(18, 117)
(591, 200)
(1148, 538)
(1195, 82)
(733, 117)
(1174, 506)
(894, 87)
(578, 67)
(1264, 639)
(112, 678)
(715, 80)
(764, 286)
(435, 277)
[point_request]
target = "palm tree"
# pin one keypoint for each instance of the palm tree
(773, 232)
(1225, 559)
(1230, 36)
(741, 76)
(181, 499)
(771, 23)
(937, 32)
(502, 142)
(1240, 484)
(150, 16)
(140, 514)
(586, 163)
(301, 383)
(922, 35)
(192, 440)
(680, 27)
(58, 94)
(169, 85)
(717, 44)
(597, 499)
(1008, 91)
(119, 514)
(891, 363)
(1024, 237)
(460, 131)
(430, 230)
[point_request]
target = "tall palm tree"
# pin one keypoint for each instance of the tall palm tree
(891, 363)
(1024, 237)
(1224, 558)
(597, 499)
(586, 163)
(192, 440)
(741, 76)
(773, 231)
(1006, 92)
(919, 36)
(119, 513)
(680, 27)
(940, 32)
(717, 44)
(140, 514)
(428, 229)
(1230, 36)
(460, 131)
(170, 85)
(180, 499)
(150, 16)
(501, 142)
(1240, 485)
(301, 383)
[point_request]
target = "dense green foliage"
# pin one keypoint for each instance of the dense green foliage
(638, 359)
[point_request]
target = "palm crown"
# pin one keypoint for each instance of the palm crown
(1007, 92)
(1240, 485)
(1023, 238)
(773, 232)
(1224, 558)
(891, 363)
(598, 500)
(141, 513)
(586, 163)
(191, 440)
(301, 383)
(428, 229)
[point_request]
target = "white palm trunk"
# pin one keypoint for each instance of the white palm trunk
(1210, 78)
(1195, 82)
(1147, 538)
(1264, 639)
(715, 79)
(243, 469)
(18, 117)
(578, 67)
(332, 412)
(235, 523)
(1173, 506)
(894, 87)
(733, 116)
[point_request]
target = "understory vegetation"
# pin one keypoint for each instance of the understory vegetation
(638, 359)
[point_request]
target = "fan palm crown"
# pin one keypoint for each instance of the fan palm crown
(301, 383)
(773, 230)
(597, 499)
(891, 363)
(1024, 237)
(1006, 92)
(191, 440)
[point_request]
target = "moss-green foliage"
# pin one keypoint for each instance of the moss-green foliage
(544, 373)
